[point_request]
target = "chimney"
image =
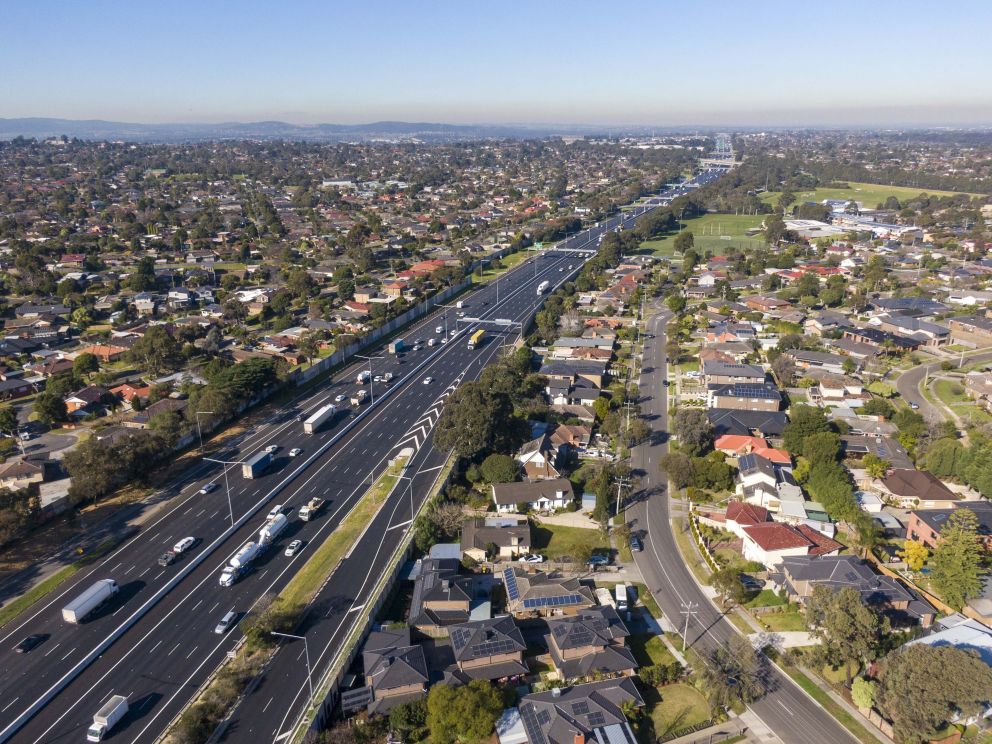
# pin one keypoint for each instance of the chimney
(446, 585)
(579, 738)
(555, 692)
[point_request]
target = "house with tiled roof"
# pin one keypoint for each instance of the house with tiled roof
(593, 641)
(915, 489)
(541, 495)
(395, 669)
(769, 543)
(925, 525)
(510, 536)
(490, 649)
(86, 399)
(740, 515)
(533, 595)
(593, 712)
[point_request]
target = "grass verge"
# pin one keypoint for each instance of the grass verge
(683, 538)
(647, 599)
(53, 582)
(849, 722)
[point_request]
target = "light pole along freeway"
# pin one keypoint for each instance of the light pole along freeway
(786, 709)
(192, 606)
(172, 647)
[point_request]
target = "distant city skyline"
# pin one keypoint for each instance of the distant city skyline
(640, 64)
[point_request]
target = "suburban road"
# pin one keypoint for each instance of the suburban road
(786, 709)
(908, 385)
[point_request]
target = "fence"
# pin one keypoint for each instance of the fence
(342, 355)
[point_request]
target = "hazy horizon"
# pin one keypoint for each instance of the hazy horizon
(305, 62)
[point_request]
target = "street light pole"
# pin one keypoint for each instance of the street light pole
(227, 484)
(306, 651)
(198, 431)
(371, 386)
(689, 610)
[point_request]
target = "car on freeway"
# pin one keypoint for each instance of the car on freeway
(461, 314)
(167, 558)
(183, 545)
(439, 329)
(428, 380)
(453, 333)
(295, 451)
(293, 548)
(209, 488)
(560, 268)
(272, 448)
(377, 378)
(275, 511)
(340, 398)
(31, 642)
(416, 347)
(226, 622)
(444, 339)
(531, 559)
(636, 545)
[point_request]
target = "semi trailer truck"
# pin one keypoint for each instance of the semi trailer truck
(83, 605)
(319, 418)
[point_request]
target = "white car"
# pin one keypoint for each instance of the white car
(275, 511)
(439, 329)
(428, 380)
(444, 339)
(340, 398)
(208, 488)
(293, 548)
(295, 451)
(272, 448)
(377, 378)
(454, 333)
(532, 559)
(183, 545)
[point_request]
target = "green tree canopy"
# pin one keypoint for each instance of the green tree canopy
(850, 630)
(958, 563)
(804, 421)
(465, 714)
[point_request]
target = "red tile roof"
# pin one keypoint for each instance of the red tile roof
(746, 514)
(822, 545)
(773, 536)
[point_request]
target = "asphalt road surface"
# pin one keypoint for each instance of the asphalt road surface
(786, 709)
(154, 641)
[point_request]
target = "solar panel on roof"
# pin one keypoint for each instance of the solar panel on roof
(511, 584)
(580, 708)
(596, 719)
(543, 717)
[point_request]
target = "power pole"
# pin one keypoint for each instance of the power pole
(621, 483)
(689, 610)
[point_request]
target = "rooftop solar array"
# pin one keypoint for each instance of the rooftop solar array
(511, 584)
(491, 648)
(580, 708)
(567, 599)
(543, 717)
(596, 719)
(746, 390)
(534, 733)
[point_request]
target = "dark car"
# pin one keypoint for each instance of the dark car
(29, 643)
(636, 545)
(167, 558)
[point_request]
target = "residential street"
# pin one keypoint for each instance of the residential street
(786, 709)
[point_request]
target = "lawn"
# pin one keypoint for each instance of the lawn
(765, 598)
(950, 391)
(556, 541)
(508, 263)
(649, 649)
(680, 707)
(647, 599)
(782, 621)
(869, 194)
(712, 232)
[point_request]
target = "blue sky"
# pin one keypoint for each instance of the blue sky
(544, 61)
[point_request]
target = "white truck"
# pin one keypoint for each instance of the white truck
(78, 610)
(321, 416)
(109, 715)
(309, 510)
(460, 304)
(363, 377)
(268, 534)
(621, 595)
(543, 287)
(238, 565)
(358, 398)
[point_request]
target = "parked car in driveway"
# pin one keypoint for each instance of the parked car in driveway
(531, 559)
(599, 560)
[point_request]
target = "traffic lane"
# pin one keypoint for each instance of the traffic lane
(908, 385)
(240, 582)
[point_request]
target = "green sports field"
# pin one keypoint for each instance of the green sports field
(713, 232)
(869, 194)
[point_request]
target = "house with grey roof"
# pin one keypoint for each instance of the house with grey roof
(593, 641)
(486, 649)
(716, 372)
(533, 595)
(592, 712)
(510, 536)
(542, 495)
(395, 669)
(747, 423)
(441, 597)
(744, 396)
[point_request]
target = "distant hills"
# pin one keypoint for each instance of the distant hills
(96, 129)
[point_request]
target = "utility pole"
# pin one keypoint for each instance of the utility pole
(200, 433)
(621, 483)
(689, 610)
(371, 386)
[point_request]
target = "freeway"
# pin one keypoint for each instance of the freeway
(77, 667)
(178, 633)
(786, 709)
(269, 711)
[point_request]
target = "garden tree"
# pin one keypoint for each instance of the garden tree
(85, 364)
(8, 419)
(734, 672)
(406, 718)
(804, 421)
(143, 277)
(878, 407)
(712, 472)
(807, 286)
(911, 427)
(346, 288)
(693, 428)
(824, 446)
(875, 273)
(914, 553)
(863, 692)
(600, 485)
(958, 564)
(727, 582)
(49, 408)
(684, 241)
(874, 465)
(923, 686)
(784, 368)
(676, 302)
(849, 630)
(465, 714)
(156, 351)
(310, 343)
(476, 420)
(829, 484)
(946, 458)
(679, 468)
(497, 468)
(168, 425)
(849, 366)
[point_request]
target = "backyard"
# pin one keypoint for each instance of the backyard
(676, 707)
(556, 541)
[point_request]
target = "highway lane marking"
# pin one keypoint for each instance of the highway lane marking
(267, 705)
(53, 648)
(192, 652)
(154, 647)
(130, 570)
(159, 575)
(196, 605)
(401, 524)
(144, 572)
(117, 610)
(201, 512)
(167, 540)
(174, 648)
(9, 704)
(67, 655)
(214, 607)
(785, 707)
(118, 565)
